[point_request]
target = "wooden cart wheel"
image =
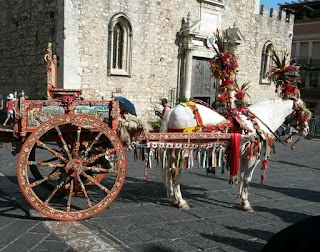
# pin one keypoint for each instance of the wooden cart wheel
(79, 157)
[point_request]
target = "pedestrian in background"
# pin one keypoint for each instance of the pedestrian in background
(165, 110)
(10, 109)
(1, 102)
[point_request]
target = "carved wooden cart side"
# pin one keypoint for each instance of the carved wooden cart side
(71, 163)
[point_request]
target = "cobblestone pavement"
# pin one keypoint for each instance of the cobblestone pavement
(141, 218)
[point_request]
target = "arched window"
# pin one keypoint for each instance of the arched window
(120, 37)
(266, 62)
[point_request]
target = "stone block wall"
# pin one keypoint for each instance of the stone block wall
(154, 55)
(26, 27)
(78, 30)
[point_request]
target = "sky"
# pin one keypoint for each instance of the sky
(273, 3)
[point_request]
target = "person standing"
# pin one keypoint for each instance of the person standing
(10, 108)
(162, 115)
(1, 102)
(165, 110)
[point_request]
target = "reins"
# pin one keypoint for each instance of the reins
(292, 146)
(271, 131)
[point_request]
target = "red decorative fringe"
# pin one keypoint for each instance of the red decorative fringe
(235, 154)
(265, 164)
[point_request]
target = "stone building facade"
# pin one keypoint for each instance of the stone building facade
(142, 50)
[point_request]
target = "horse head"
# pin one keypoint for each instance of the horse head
(299, 117)
(131, 129)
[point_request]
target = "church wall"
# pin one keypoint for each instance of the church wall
(154, 51)
(78, 30)
(26, 27)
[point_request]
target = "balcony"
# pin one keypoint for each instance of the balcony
(310, 93)
(314, 61)
(306, 61)
(301, 60)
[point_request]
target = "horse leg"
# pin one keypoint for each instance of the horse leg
(168, 183)
(246, 171)
(176, 173)
(170, 178)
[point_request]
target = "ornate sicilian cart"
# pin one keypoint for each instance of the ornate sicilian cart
(71, 163)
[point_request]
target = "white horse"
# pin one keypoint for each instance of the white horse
(270, 115)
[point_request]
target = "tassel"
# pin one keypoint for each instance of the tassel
(250, 151)
(178, 159)
(190, 158)
(214, 158)
(150, 158)
(185, 160)
(263, 176)
(220, 158)
(259, 149)
(204, 159)
(265, 164)
(158, 155)
(146, 159)
(164, 157)
(135, 154)
(174, 159)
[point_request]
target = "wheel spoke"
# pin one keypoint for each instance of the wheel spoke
(50, 164)
(93, 142)
(57, 154)
(97, 169)
(76, 150)
(57, 187)
(70, 196)
(91, 179)
(96, 157)
(65, 146)
(51, 176)
(84, 191)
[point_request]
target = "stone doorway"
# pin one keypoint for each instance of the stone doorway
(203, 85)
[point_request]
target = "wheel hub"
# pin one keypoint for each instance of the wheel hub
(74, 165)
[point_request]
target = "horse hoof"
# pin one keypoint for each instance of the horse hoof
(183, 205)
(247, 208)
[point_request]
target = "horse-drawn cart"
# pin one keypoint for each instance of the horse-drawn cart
(71, 163)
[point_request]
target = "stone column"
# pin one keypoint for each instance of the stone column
(188, 73)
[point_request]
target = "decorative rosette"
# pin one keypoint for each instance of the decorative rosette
(224, 64)
(286, 76)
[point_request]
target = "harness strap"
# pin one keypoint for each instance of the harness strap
(195, 111)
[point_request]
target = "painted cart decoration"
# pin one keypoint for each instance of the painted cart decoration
(71, 163)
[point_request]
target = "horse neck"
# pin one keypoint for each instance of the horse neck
(271, 113)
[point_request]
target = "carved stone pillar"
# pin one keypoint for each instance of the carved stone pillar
(188, 73)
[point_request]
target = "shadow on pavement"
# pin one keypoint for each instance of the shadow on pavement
(234, 242)
(301, 236)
